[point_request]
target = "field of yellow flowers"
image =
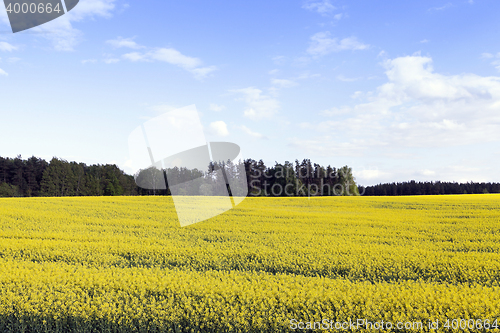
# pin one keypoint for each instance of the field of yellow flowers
(123, 264)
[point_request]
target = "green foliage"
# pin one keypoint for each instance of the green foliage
(62, 178)
(36, 177)
(7, 190)
(346, 179)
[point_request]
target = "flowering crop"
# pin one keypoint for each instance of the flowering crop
(122, 264)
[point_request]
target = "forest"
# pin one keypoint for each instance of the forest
(430, 188)
(35, 177)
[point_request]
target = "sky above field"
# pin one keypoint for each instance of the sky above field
(398, 90)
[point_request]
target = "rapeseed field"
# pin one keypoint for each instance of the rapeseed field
(123, 264)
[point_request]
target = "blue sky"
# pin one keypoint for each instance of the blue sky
(398, 90)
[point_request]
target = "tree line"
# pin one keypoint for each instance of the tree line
(429, 188)
(303, 178)
(36, 177)
(300, 179)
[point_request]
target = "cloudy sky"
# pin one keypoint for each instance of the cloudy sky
(398, 90)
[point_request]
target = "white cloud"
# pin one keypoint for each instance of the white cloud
(65, 39)
(487, 55)
(369, 174)
(92, 8)
(415, 78)
(327, 146)
(496, 62)
(426, 172)
(357, 95)
(4, 46)
(416, 107)
(252, 133)
(219, 128)
(111, 60)
(2, 72)
(323, 7)
(279, 60)
(202, 72)
(135, 56)
(382, 54)
(216, 108)
(338, 16)
(446, 6)
(283, 83)
(89, 61)
(259, 106)
(62, 34)
(322, 44)
(124, 42)
(173, 57)
(424, 41)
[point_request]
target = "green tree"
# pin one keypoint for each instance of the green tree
(347, 181)
(58, 179)
(7, 190)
